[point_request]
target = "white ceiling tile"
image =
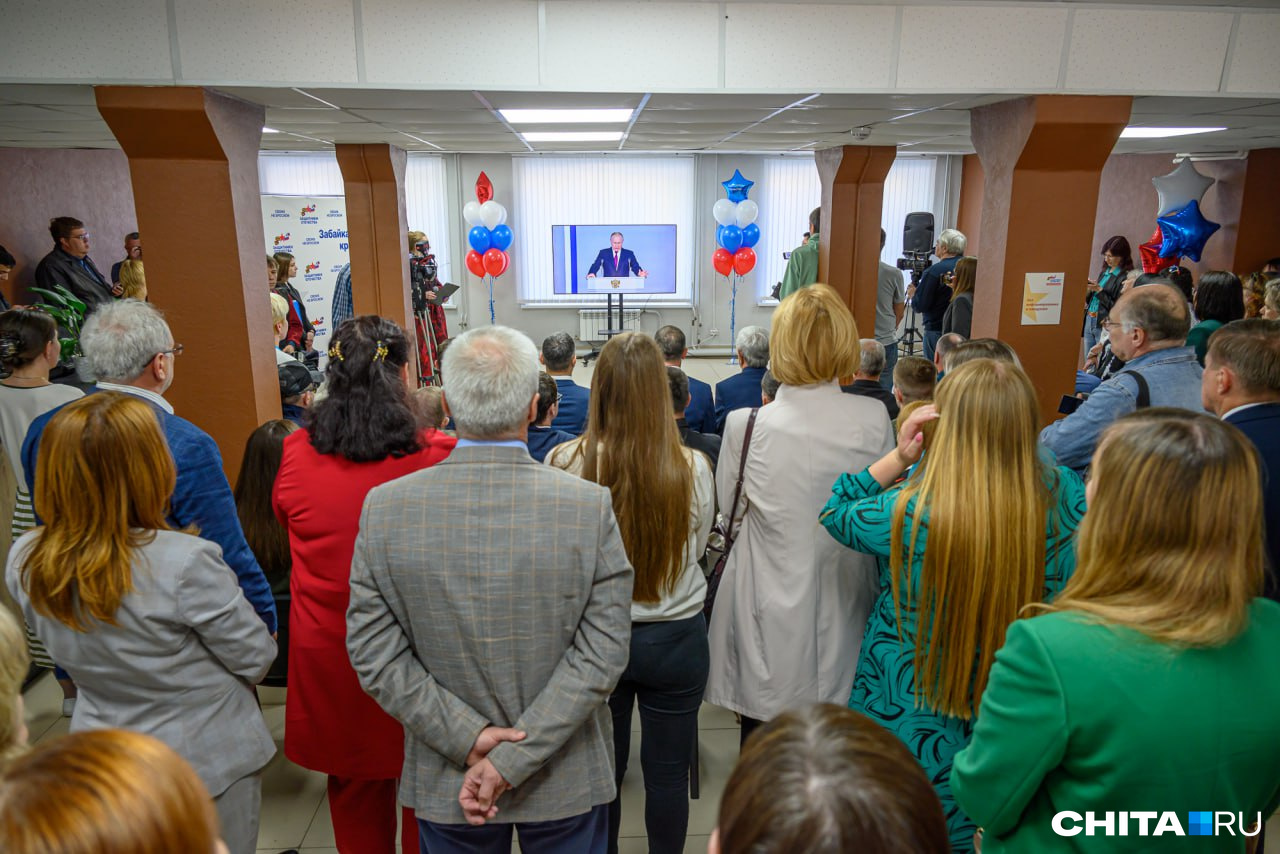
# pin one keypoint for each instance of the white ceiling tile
(119, 40)
(976, 47)
(771, 46)
(451, 43)
(1255, 67)
(659, 45)
(283, 40)
(1123, 50)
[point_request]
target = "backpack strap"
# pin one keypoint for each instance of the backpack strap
(1144, 390)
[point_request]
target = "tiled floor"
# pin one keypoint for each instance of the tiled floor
(295, 811)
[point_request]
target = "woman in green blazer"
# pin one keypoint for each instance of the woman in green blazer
(1152, 682)
(995, 535)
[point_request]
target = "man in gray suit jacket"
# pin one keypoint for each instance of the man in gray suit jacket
(490, 614)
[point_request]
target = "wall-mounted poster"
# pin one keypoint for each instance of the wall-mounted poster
(1042, 299)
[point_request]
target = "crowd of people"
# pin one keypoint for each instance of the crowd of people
(934, 632)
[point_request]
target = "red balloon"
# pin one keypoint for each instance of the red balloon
(495, 262)
(475, 263)
(1150, 252)
(722, 261)
(484, 188)
(744, 260)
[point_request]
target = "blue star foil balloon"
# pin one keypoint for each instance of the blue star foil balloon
(1185, 232)
(737, 187)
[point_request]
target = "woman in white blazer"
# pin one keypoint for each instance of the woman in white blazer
(150, 622)
(792, 604)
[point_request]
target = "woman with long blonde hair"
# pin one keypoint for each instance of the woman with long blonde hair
(981, 528)
(1152, 678)
(108, 791)
(150, 622)
(664, 499)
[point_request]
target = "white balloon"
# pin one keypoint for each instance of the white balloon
(471, 213)
(1181, 187)
(747, 213)
(724, 211)
(502, 213)
(491, 214)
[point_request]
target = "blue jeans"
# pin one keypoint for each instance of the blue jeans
(586, 833)
(1092, 329)
(667, 674)
(931, 337)
(890, 359)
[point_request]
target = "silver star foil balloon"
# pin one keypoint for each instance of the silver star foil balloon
(1180, 187)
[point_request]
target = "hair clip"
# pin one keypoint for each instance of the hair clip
(335, 352)
(380, 354)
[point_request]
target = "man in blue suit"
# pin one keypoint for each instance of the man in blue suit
(743, 391)
(1241, 385)
(558, 353)
(616, 261)
(130, 348)
(699, 415)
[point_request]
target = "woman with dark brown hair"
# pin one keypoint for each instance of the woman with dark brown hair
(959, 315)
(664, 498)
(825, 780)
(286, 269)
(1117, 260)
(109, 791)
(149, 621)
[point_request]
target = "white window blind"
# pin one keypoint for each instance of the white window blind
(301, 174)
(789, 189)
(596, 190)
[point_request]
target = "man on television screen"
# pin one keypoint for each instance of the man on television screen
(616, 260)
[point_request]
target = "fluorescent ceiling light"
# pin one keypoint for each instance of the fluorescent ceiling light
(561, 117)
(270, 130)
(1161, 133)
(573, 136)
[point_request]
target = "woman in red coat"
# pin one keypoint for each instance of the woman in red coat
(363, 434)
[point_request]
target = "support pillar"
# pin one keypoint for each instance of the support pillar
(1259, 220)
(1043, 158)
(373, 175)
(852, 202)
(193, 163)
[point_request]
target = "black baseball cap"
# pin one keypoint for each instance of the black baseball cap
(295, 378)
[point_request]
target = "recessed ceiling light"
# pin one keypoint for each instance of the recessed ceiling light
(1161, 133)
(585, 117)
(270, 130)
(573, 136)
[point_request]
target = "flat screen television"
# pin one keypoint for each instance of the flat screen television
(578, 250)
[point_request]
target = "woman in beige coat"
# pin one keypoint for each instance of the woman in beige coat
(793, 603)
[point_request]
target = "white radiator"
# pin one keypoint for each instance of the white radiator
(593, 322)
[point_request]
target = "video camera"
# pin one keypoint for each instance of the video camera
(917, 261)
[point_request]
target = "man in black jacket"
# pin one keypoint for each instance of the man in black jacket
(708, 443)
(866, 381)
(69, 264)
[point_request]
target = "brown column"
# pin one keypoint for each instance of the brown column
(193, 162)
(373, 175)
(1258, 235)
(969, 217)
(849, 248)
(1043, 159)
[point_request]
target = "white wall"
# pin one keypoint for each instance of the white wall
(955, 47)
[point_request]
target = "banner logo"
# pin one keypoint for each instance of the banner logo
(279, 213)
(314, 265)
(309, 209)
(1152, 823)
(334, 213)
(310, 241)
(283, 238)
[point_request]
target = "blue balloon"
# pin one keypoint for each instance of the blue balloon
(719, 233)
(1185, 232)
(736, 188)
(501, 237)
(480, 239)
(751, 235)
(731, 238)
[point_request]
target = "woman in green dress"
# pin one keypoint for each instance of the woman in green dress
(995, 535)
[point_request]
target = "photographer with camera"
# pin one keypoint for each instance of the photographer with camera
(932, 295)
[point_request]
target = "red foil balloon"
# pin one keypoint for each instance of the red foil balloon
(495, 262)
(744, 260)
(722, 261)
(475, 263)
(1150, 252)
(484, 188)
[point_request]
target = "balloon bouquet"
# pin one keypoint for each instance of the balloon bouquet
(490, 236)
(736, 235)
(1180, 227)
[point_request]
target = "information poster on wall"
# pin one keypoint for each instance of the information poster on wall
(1042, 299)
(314, 230)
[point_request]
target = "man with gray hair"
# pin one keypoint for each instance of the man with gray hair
(932, 297)
(491, 615)
(129, 348)
(946, 343)
(743, 391)
(1147, 329)
(866, 381)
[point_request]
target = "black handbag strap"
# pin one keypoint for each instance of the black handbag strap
(742, 467)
